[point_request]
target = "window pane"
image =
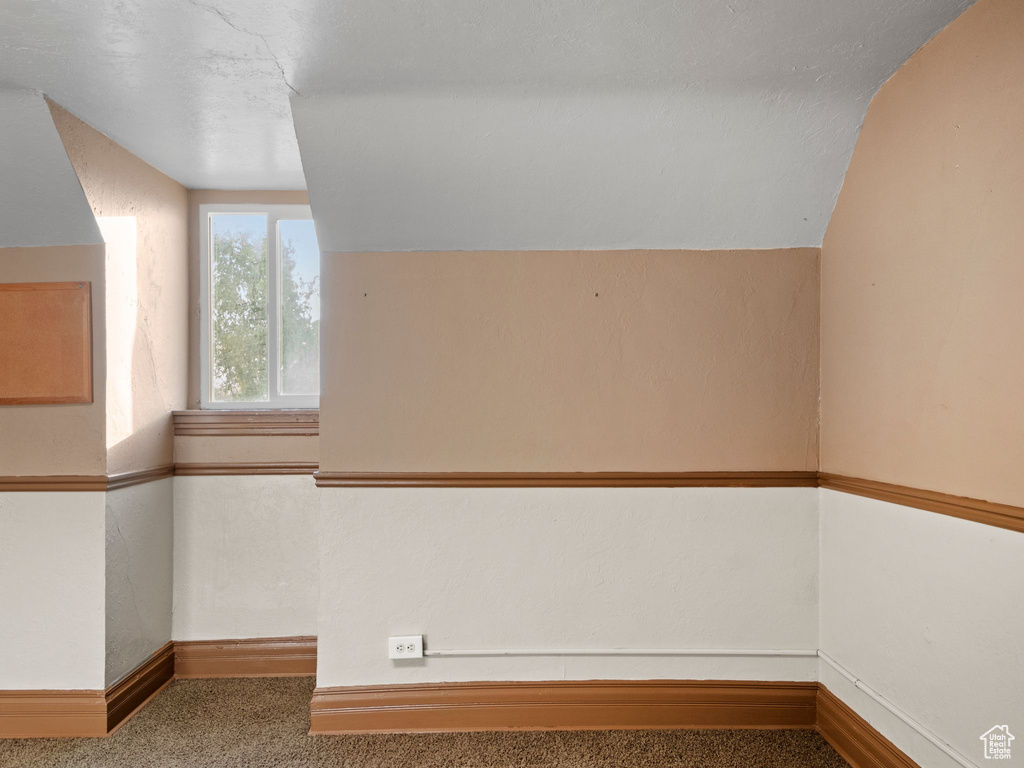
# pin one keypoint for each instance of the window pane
(239, 307)
(300, 308)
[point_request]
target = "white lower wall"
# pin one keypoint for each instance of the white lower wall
(923, 608)
(245, 556)
(567, 567)
(928, 611)
(139, 540)
(51, 591)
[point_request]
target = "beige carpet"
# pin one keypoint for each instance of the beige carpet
(263, 723)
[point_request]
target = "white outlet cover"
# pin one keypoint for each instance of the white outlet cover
(405, 647)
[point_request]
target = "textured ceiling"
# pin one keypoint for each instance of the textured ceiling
(201, 89)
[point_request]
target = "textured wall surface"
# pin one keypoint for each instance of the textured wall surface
(926, 610)
(265, 448)
(922, 329)
(570, 361)
(41, 201)
(51, 591)
(142, 215)
(556, 568)
(922, 349)
(139, 560)
(245, 557)
(58, 439)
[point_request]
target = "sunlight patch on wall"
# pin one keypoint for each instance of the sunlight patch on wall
(121, 236)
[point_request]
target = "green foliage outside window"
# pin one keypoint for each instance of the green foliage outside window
(300, 330)
(240, 365)
(239, 317)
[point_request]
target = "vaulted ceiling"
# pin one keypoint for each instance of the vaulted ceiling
(202, 89)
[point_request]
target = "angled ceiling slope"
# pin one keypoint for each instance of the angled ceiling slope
(41, 199)
(709, 123)
(590, 125)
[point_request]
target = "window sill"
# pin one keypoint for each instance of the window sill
(303, 422)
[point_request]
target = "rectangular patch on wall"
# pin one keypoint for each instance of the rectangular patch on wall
(45, 343)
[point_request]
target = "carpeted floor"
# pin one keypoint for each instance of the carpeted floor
(264, 723)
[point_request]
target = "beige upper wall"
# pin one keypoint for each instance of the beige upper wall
(58, 439)
(197, 197)
(143, 216)
(922, 271)
(259, 449)
(570, 361)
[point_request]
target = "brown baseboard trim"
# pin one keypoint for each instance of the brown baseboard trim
(258, 657)
(52, 714)
(859, 743)
(67, 714)
(456, 707)
(565, 479)
(247, 468)
(127, 697)
(975, 510)
(269, 423)
(562, 705)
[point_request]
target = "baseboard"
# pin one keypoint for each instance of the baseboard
(604, 705)
(66, 714)
(563, 705)
(52, 714)
(69, 714)
(859, 743)
(133, 692)
(256, 657)
(450, 707)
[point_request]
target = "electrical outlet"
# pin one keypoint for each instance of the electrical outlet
(405, 647)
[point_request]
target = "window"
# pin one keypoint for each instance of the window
(260, 307)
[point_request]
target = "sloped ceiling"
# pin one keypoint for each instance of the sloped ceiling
(748, 107)
(665, 169)
(41, 201)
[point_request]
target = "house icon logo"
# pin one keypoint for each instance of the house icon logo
(997, 742)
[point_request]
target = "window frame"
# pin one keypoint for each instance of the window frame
(275, 213)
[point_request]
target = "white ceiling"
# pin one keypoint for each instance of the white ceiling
(200, 88)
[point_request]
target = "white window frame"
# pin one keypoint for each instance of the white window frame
(274, 214)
